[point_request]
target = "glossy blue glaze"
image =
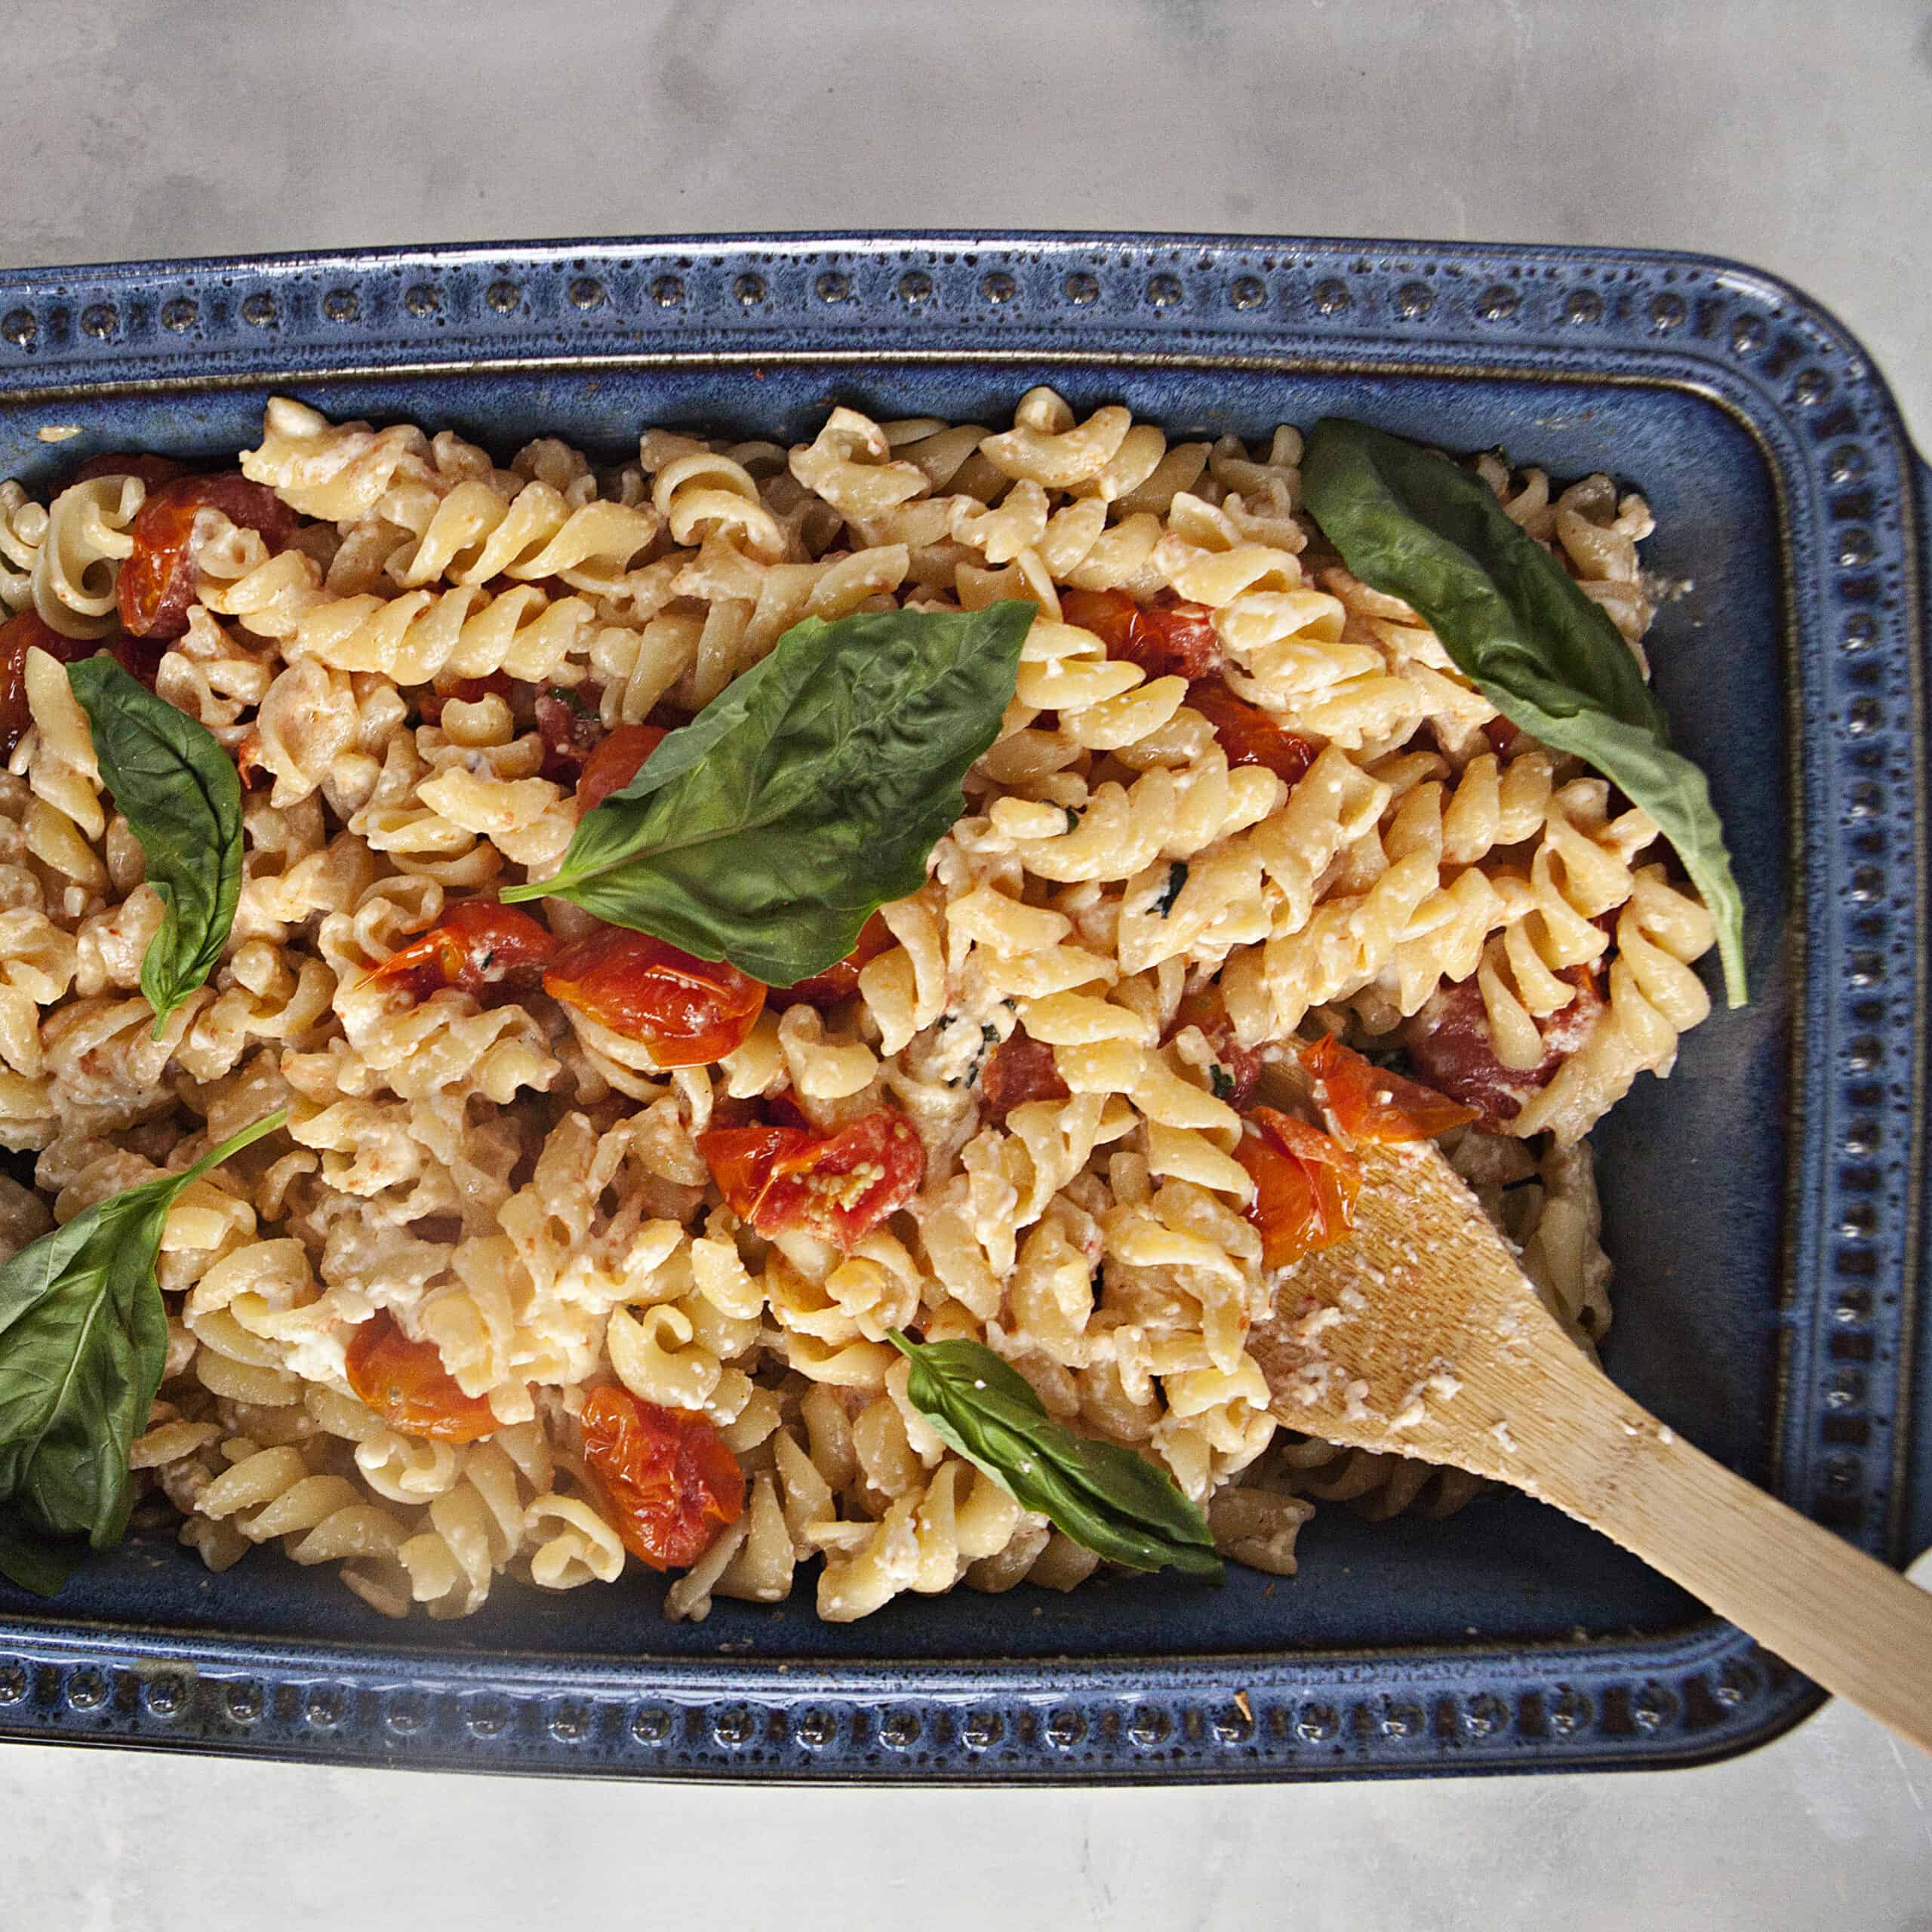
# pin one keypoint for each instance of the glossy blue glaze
(1764, 1209)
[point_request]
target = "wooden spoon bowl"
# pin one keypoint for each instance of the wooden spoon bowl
(1419, 1334)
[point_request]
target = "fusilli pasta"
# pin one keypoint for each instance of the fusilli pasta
(1130, 909)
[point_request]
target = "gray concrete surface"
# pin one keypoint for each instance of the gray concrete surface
(1794, 136)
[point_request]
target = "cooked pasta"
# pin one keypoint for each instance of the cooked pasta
(514, 1197)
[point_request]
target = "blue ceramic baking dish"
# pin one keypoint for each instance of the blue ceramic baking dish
(1765, 1208)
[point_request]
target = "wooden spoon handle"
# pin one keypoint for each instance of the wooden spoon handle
(1844, 1619)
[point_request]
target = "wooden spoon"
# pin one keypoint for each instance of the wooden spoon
(1419, 1334)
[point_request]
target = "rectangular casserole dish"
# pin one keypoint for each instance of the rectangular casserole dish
(1763, 1209)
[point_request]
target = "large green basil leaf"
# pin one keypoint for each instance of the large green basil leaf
(806, 795)
(83, 1336)
(1413, 524)
(1103, 1495)
(178, 790)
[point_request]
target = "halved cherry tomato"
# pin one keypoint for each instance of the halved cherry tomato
(1249, 736)
(18, 635)
(568, 720)
(671, 1483)
(157, 582)
(406, 1385)
(480, 948)
(153, 470)
(1305, 1185)
(1365, 1103)
(839, 1186)
(686, 1011)
(1449, 1043)
(1166, 641)
(617, 759)
(1019, 1069)
(462, 690)
(839, 981)
(1238, 1068)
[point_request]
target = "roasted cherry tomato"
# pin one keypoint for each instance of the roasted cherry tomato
(1501, 734)
(406, 1385)
(1237, 1069)
(480, 948)
(839, 1186)
(1166, 641)
(671, 1483)
(616, 760)
(568, 722)
(462, 690)
(1249, 736)
(839, 981)
(18, 635)
(1305, 1185)
(1365, 1103)
(154, 471)
(685, 1011)
(1019, 1069)
(157, 582)
(1450, 1045)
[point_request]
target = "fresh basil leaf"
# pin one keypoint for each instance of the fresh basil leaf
(83, 1337)
(1103, 1495)
(179, 791)
(42, 1567)
(806, 795)
(1414, 525)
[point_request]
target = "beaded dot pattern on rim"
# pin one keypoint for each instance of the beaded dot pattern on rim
(1408, 289)
(1297, 1715)
(437, 1721)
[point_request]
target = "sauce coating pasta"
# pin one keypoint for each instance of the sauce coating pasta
(576, 1244)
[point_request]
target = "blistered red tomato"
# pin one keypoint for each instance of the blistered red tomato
(1166, 641)
(406, 1384)
(1019, 1069)
(1366, 1103)
(617, 759)
(1237, 1070)
(157, 582)
(152, 470)
(685, 1011)
(18, 635)
(839, 981)
(1450, 1045)
(1249, 736)
(839, 1186)
(480, 948)
(568, 722)
(670, 1482)
(1305, 1185)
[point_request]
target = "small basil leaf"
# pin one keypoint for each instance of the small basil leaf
(41, 1566)
(1414, 525)
(83, 1338)
(1103, 1496)
(179, 791)
(810, 791)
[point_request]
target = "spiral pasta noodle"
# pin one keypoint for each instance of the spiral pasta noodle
(77, 563)
(22, 530)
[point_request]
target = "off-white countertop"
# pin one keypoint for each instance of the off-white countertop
(1796, 136)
